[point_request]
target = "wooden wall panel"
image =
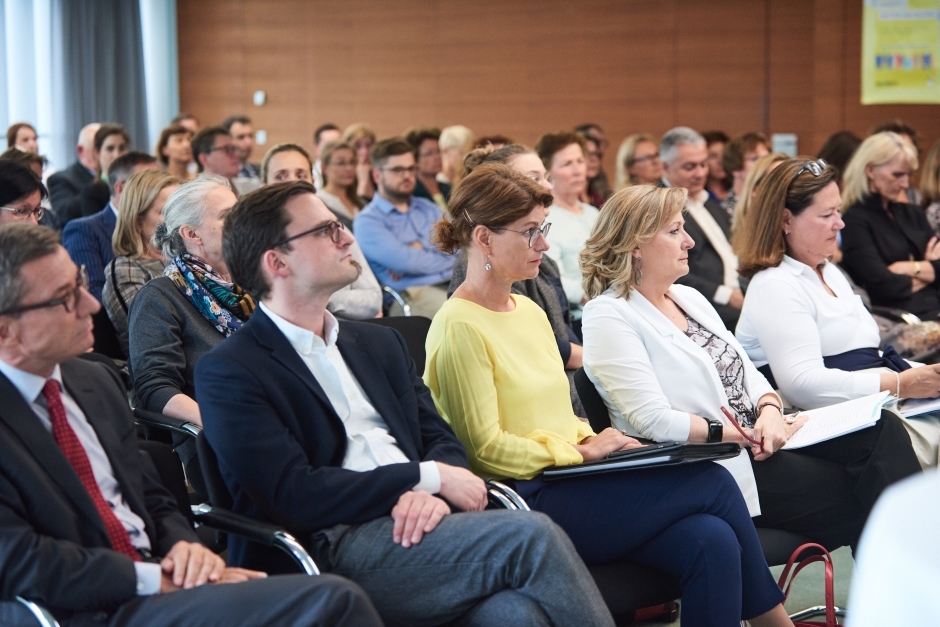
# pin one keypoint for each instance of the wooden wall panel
(524, 67)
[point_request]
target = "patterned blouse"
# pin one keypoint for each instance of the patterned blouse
(730, 369)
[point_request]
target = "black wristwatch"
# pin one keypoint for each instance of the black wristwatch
(715, 431)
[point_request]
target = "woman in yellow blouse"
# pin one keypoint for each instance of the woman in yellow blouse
(496, 376)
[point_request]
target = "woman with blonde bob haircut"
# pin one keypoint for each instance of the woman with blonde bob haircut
(638, 162)
(888, 246)
(137, 259)
(497, 378)
(669, 370)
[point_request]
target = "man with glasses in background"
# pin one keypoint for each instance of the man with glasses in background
(394, 231)
(215, 153)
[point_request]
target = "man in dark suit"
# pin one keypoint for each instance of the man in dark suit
(86, 529)
(88, 239)
(713, 266)
(65, 187)
(324, 427)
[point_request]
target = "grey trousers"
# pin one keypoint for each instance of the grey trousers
(478, 569)
(286, 601)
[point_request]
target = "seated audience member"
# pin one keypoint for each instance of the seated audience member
(545, 290)
(21, 193)
(909, 134)
(31, 160)
(638, 162)
(455, 142)
(718, 184)
(243, 138)
(802, 324)
(215, 153)
(930, 187)
(665, 365)
(361, 299)
(65, 186)
(175, 152)
(737, 159)
(137, 260)
(424, 140)
(838, 151)
(88, 240)
(496, 378)
(897, 558)
(361, 137)
(88, 530)
(496, 141)
(761, 168)
(712, 264)
(592, 159)
(598, 186)
(394, 231)
(111, 141)
(22, 135)
(562, 154)
(325, 134)
(343, 447)
(187, 120)
(888, 246)
(338, 191)
(177, 318)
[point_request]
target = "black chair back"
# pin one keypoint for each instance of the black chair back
(594, 406)
(106, 339)
(415, 331)
(171, 472)
(218, 492)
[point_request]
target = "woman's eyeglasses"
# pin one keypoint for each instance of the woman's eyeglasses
(531, 233)
(813, 167)
(23, 214)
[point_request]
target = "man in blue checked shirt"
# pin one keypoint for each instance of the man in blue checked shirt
(394, 231)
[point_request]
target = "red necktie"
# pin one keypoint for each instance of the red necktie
(75, 453)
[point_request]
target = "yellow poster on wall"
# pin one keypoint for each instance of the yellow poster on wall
(900, 52)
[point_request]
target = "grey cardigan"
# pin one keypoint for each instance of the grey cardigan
(167, 336)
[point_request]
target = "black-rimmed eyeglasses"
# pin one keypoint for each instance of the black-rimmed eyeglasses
(333, 229)
(531, 233)
(69, 301)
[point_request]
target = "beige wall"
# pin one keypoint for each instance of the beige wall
(524, 67)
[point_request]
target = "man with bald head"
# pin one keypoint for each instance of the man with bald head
(65, 187)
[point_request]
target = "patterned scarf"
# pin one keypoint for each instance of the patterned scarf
(223, 304)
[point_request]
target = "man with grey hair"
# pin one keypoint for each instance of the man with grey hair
(713, 266)
(88, 239)
(65, 187)
(89, 532)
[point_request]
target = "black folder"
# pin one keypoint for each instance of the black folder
(652, 455)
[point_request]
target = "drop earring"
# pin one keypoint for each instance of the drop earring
(487, 265)
(786, 232)
(638, 271)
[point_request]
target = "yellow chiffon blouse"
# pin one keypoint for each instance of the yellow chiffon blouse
(498, 380)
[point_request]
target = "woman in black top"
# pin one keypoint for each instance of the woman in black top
(888, 246)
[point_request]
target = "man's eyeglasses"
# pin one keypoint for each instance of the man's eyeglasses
(23, 214)
(69, 301)
(228, 149)
(399, 170)
(813, 167)
(531, 233)
(333, 229)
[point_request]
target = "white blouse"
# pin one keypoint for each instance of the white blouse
(790, 321)
(566, 237)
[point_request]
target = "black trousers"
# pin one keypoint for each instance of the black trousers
(287, 601)
(826, 491)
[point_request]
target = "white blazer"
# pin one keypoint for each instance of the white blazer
(652, 376)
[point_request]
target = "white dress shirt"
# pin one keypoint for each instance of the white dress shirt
(30, 387)
(369, 444)
(897, 567)
(790, 321)
(716, 237)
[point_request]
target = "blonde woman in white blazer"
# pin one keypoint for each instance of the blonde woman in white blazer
(665, 365)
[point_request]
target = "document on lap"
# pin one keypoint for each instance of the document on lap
(918, 406)
(662, 454)
(830, 422)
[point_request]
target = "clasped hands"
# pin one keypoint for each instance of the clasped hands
(188, 565)
(418, 512)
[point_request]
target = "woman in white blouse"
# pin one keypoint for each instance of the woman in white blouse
(665, 365)
(801, 323)
(563, 156)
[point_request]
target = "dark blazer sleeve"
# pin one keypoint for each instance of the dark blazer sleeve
(706, 271)
(65, 192)
(867, 249)
(80, 239)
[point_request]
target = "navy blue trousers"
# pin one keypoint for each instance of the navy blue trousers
(688, 521)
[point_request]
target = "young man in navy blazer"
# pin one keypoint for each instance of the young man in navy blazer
(86, 528)
(324, 427)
